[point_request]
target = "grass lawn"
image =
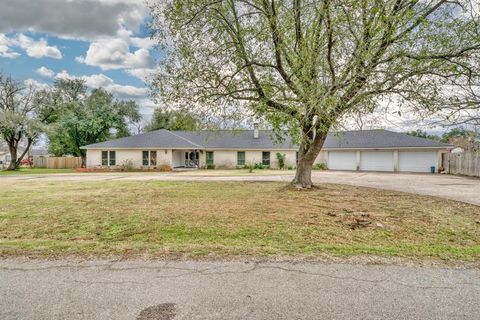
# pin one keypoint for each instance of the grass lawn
(228, 219)
(26, 170)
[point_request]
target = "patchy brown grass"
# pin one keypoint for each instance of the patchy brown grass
(225, 219)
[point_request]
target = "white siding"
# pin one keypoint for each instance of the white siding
(225, 159)
(322, 157)
(252, 157)
(129, 156)
(94, 158)
(178, 158)
(164, 157)
(124, 156)
(228, 158)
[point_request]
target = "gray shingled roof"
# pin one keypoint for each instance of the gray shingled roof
(238, 139)
(379, 139)
(243, 139)
(155, 139)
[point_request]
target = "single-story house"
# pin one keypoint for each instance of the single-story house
(369, 150)
(4, 158)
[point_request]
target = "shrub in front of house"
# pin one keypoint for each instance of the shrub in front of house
(210, 166)
(281, 160)
(127, 165)
(320, 166)
(260, 166)
(164, 168)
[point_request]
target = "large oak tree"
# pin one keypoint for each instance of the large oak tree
(88, 117)
(304, 64)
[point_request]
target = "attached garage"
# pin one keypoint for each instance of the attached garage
(382, 150)
(376, 161)
(417, 161)
(342, 160)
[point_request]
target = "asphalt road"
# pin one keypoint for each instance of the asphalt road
(31, 289)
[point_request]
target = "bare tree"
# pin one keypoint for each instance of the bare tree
(303, 65)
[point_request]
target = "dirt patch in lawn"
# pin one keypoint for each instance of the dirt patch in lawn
(227, 219)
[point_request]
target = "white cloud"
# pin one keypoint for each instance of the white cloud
(38, 49)
(72, 19)
(97, 81)
(103, 81)
(64, 75)
(144, 43)
(33, 48)
(5, 50)
(36, 84)
(144, 74)
(45, 72)
(80, 59)
(125, 91)
(115, 54)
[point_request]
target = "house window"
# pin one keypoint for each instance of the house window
(209, 158)
(104, 158)
(149, 158)
(241, 158)
(145, 158)
(108, 158)
(112, 158)
(266, 158)
(153, 158)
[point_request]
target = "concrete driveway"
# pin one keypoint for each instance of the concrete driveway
(31, 289)
(446, 186)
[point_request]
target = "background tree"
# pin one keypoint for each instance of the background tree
(23, 116)
(423, 134)
(173, 120)
(304, 64)
(461, 137)
(88, 117)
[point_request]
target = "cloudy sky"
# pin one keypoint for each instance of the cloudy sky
(105, 42)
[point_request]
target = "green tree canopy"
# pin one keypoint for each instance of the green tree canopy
(304, 64)
(173, 120)
(88, 117)
(423, 134)
(459, 132)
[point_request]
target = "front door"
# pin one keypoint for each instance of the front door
(191, 159)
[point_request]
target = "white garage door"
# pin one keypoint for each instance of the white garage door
(342, 160)
(376, 161)
(416, 161)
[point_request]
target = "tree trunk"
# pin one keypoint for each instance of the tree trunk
(27, 148)
(12, 146)
(83, 155)
(307, 154)
(303, 175)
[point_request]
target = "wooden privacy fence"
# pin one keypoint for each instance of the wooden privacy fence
(40, 161)
(465, 163)
(64, 162)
